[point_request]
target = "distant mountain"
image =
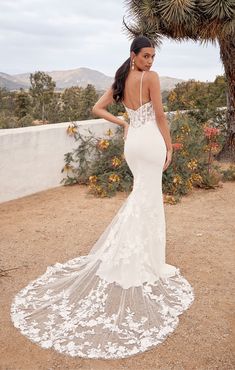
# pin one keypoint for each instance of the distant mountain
(74, 77)
(11, 82)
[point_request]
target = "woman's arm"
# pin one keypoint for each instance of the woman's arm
(99, 108)
(156, 98)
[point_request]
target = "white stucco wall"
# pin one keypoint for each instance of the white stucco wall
(31, 158)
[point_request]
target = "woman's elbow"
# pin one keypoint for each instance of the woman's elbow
(94, 110)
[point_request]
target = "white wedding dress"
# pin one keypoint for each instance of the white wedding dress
(122, 298)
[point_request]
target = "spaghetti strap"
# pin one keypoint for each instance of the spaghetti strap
(141, 88)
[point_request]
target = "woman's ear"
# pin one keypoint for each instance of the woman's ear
(132, 55)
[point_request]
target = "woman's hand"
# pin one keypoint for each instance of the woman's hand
(168, 159)
(126, 127)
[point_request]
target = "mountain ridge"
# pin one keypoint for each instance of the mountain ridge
(74, 77)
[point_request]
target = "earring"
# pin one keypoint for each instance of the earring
(133, 65)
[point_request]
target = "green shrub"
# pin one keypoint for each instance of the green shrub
(100, 163)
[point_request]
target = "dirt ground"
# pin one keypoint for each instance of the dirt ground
(63, 223)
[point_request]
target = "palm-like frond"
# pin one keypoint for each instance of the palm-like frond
(141, 28)
(177, 11)
(203, 20)
(218, 9)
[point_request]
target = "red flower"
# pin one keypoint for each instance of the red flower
(177, 146)
(211, 132)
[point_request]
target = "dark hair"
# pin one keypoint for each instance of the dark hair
(121, 74)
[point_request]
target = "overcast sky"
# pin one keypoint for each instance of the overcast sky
(51, 35)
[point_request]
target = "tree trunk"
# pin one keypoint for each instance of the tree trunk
(227, 55)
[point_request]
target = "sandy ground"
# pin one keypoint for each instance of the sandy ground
(62, 223)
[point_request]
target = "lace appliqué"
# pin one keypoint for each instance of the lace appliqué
(97, 319)
(142, 115)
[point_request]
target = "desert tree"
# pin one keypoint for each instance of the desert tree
(203, 21)
(42, 90)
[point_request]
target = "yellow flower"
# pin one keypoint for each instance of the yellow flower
(169, 199)
(116, 162)
(184, 153)
(185, 129)
(103, 144)
(206, 148)
(177, 180)
(93, 179)
(114, 178)
(192, 165)
(125, 116)
(195, 177)
(67, 167)
(189, 184)
(71, 130)
(109, 132)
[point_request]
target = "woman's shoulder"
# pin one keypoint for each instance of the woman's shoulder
(152, 80)
(152, 75)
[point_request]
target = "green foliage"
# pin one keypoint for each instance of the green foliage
(100, 163)
(229, 173)
(180, 20)
(70, 101)
(73, 104)
(42, 91)
(7, 120)
(198, 95)
(87, 98)
(195, 145)
(22, 104)
(54, 109)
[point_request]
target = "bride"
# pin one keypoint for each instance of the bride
(122, 298)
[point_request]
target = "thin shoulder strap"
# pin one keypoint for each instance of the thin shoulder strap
(141, 88)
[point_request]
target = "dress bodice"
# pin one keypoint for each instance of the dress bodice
(142, 115)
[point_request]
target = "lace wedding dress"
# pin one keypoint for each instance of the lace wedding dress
(122, 298)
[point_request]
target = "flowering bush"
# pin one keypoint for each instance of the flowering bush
(100, 163)
(194, 145)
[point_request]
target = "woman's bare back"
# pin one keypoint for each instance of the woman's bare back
(132, 90)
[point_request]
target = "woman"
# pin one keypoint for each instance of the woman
(122, 298)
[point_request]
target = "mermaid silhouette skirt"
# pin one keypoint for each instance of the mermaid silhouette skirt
(122, 298)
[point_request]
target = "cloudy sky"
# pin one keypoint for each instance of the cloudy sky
(51, 35)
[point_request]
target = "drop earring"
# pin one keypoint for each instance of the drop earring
(133, 65)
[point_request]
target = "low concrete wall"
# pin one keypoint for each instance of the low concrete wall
(31, 158)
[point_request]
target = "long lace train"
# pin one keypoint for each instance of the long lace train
(122, 298)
